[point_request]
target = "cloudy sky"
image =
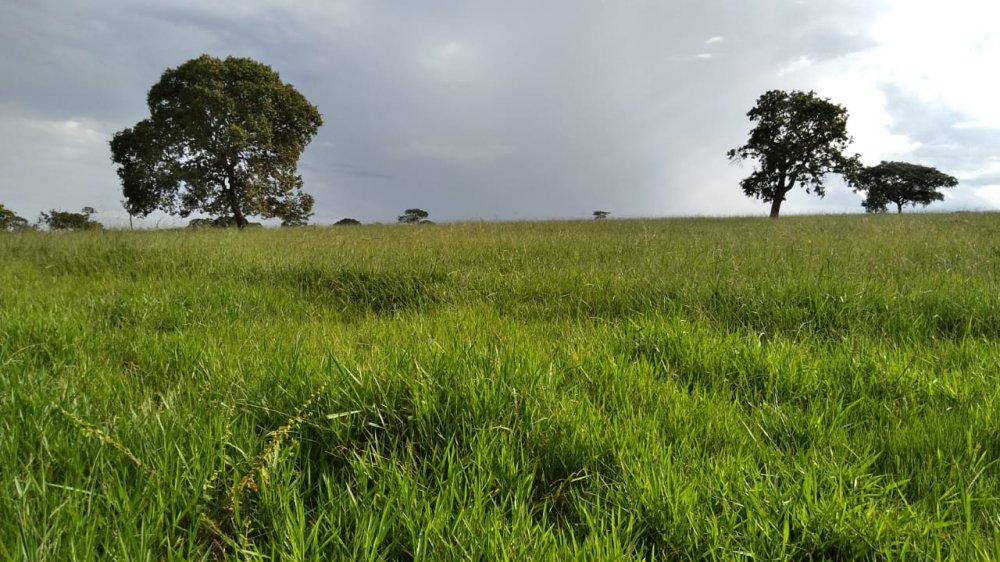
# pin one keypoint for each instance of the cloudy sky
(512, 109)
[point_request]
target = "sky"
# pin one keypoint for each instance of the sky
(512, 109)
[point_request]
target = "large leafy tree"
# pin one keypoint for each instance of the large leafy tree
(901, 183)
(223, 138)
(798, 139)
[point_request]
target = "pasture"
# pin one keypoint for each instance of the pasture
(807, 388)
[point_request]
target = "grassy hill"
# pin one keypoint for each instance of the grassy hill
(819, 388)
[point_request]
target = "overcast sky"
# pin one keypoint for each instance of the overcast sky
(512, 109)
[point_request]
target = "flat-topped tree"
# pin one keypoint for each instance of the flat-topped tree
(223, 138)
(901, 183)
(414, 216)
(799, 138)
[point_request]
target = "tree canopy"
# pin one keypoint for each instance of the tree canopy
(10, 221)
(67, 220)
(223, 138)
(903, 184)
(414, 216)
(798, 139)
(224, 221)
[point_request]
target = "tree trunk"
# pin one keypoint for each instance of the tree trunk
(783, 188)
(234, 201)
(899, 208)
(241, 221)
(776, 205)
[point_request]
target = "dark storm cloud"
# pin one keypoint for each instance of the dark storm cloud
(535, 111)
(471, 110)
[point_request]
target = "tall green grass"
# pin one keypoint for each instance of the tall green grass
(810, 388)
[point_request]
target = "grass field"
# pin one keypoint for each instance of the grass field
(808, 388)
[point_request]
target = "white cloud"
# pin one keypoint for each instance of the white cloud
(72, 137)
(852, 82)
(450, 56)
(922, 49)
(714, 40)
(962, 125)
(946, 53)
(52, 164)
(990, 194)
(985, 171)
(796, 65)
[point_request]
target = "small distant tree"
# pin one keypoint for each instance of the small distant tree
(902, 184)
(599, 215)
(10, 221)
(799, 138)
(66, 220)
(347, 222)
(414, 216)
